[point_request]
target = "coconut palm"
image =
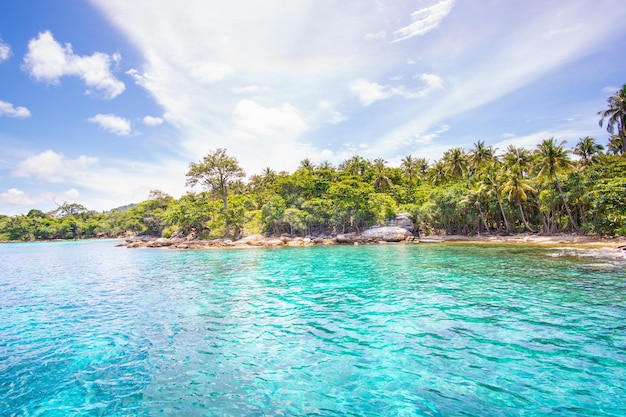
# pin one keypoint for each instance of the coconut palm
(551, 160)
(517, 189)
(491, 182)
(587, 149)
(616, 145)
(455, 162)
(381, 181)
(475, 196)
(615, 115)
(437, 174)
(480, 155)
(422, 166)
(306, 165)
(410, 168)
(517, 158)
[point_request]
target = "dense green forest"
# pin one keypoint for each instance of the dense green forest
(548, 189)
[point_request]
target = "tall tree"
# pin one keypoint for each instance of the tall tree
(455, 162)
(518, 159)
(587, 149)
(380, 181)
(551, 160)
(491, 182)
(517, 189)
(216, 172)
(410, 168)
(616, 145)
(615, 116)
(480, 155)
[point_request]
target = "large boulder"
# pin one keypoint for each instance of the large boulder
(403, 220)
(386, 234)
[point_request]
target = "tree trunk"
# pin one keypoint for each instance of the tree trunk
(519, 203)
(569, 212)
(506, 222)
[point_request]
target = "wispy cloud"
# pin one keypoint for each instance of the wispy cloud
(7, 109)
(47, 60)
(112, 123)
(53, 167)
(5, 51)
(369, 92)
(424, 20)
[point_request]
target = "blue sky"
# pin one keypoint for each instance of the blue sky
(102, 101)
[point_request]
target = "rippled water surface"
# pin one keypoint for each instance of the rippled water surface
(88, 329)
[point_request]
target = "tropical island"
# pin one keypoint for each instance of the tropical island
(483, 191)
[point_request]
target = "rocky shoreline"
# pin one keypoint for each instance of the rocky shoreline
(387, 234)
(381, 235)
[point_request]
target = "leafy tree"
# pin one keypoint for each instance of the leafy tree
(216, 172)
(272, 212)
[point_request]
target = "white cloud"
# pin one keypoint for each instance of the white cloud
(375, 35)
(255, 120)
(307, 52)
(152, 121)
(112, 123)
(369, 92)
(16, 197)
(7, 109)
(47, 60)
(252, 89)
(53, 167)
(5, 51)
(210, 72)
(334, 117)
(424, 20)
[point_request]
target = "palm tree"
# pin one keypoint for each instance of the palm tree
(306, 165)
(437, 174)
(475, 197)
(422, 166)
(325, 165)
(356, 166)
(381, 181)
(455, 162)
(491, 182)
(587, 149)
(480, 155)
(616, 145)
(615, 115)
(517, 188)
(410, 168)
(552, 159)
(517, 158)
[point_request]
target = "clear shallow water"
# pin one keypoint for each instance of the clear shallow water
(87, 329)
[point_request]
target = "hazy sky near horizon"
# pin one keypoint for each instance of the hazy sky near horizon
(102, 101)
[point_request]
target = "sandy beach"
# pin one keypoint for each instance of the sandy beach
(533, 239)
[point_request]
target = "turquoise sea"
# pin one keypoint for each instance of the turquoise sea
(90, 329)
